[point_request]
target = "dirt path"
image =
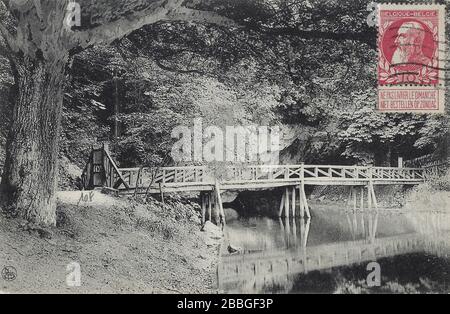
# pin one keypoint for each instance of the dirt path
(121, 245)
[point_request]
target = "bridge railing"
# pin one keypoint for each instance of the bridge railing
(390, 173)
(298, 172)
(166, 175)
(199, 175)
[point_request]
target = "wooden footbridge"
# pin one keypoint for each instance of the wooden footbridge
(102, 171)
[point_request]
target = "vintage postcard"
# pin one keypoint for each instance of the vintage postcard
(223, 152)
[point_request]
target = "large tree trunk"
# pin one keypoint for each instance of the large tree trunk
(30, 175)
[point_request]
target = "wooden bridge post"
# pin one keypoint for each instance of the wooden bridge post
(362, 199)
(293, 201)
(300, 194)
(375, 202)
(305, 200)
(286, 203)
(280, 212)
(302, 205)
(208, 197)
(308, 213)
(216, 207)
(371, 191)
(300, 202)
(220, 205)
(307, 226)
(203, 202)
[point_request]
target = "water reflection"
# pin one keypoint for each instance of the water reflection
(273, 254)
(292, 237)
(362, 226)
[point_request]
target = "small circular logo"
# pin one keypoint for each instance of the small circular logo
(9, 273)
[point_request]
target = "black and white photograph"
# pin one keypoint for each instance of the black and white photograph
(236, 149)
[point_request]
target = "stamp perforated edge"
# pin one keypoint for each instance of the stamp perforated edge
(442, 48)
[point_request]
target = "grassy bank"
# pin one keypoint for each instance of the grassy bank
(434, 195)
(389, 196)
(122, 245)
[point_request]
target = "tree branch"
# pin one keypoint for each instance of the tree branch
(164, 10)
(108, 32)
(192, 15)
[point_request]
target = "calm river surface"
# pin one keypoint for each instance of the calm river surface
(332, 252)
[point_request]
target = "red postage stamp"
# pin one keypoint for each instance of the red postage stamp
(411, 58)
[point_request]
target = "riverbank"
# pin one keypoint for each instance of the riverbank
(122, 245)
(434, 195)
(388, 196)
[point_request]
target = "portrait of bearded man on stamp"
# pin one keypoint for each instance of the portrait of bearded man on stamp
(409, 41)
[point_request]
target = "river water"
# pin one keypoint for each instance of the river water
(334, 251)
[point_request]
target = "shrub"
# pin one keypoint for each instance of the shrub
(441, 183)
